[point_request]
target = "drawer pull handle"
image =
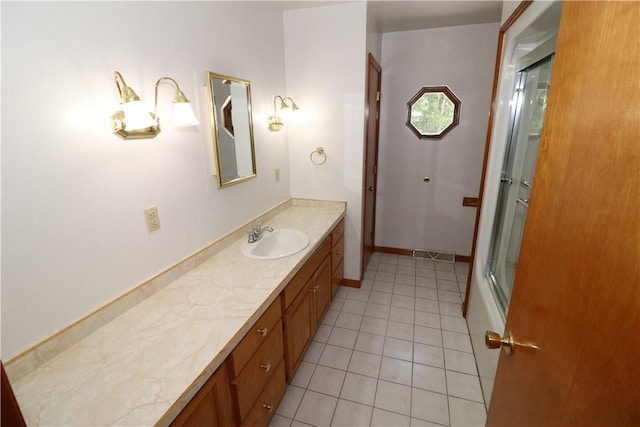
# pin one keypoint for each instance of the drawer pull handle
(267, 407)
(314, 289)
(338, 253)
(266, 367)
(262, 332)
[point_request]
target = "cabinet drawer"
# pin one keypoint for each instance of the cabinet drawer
(258, 370)
(256, 336)
(303, 276)
(268, 401)
(337, 232)
(337, 253)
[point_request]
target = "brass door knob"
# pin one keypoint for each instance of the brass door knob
(508, 342)
(262, 332)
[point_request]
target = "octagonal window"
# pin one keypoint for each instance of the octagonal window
(433, 112)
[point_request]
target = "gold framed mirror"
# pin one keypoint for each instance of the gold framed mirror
(231, 128)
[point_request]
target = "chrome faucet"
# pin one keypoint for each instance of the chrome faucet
(256, 232)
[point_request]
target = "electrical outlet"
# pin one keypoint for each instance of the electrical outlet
(152, 218)
(277, 175)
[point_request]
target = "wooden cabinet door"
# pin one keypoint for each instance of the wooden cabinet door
(211, 406)
(336, 278)
(321, 290)
(337, 258)
(11, 414)
(298, 321)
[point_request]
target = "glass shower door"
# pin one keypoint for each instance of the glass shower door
(529, 105)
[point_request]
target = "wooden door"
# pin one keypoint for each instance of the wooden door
(577, 288)
(372, 118)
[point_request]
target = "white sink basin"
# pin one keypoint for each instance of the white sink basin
(276, 244)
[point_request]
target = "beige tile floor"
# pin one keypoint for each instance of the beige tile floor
(396, 352)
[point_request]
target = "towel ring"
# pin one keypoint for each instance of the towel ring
(321, 154)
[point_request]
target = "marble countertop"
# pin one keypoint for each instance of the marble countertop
(143, 367)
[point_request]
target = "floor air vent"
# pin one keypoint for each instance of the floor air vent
(434, 255)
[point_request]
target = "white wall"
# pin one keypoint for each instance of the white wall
(73, 194)
(508, 7)
(410, 212)
(374, 36)
(326, 68)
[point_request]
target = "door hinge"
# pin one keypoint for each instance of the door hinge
(375, 169)
(378, 96)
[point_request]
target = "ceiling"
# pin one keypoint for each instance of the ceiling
(397, 15)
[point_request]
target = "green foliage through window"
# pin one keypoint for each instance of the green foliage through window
(433, 112)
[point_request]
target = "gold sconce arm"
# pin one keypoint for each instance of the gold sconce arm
(291, 104)
(126, 93)
(282, 105)
(160, 80)
(183, 115)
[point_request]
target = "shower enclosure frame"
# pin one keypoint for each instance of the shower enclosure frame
(521, 152)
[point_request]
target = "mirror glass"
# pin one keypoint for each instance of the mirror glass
(433, 112)
(232, 128)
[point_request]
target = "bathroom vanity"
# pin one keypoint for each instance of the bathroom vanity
(216, 346)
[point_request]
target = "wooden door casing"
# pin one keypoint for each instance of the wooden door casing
(485, 160)
(577, 286)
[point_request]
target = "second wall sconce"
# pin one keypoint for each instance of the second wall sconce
(135, 122)
(275, 122)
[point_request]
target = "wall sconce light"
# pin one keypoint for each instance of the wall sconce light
(135, 122)
(275, 121)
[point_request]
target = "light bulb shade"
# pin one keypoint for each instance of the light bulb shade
(183, 115)
(137, 116)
